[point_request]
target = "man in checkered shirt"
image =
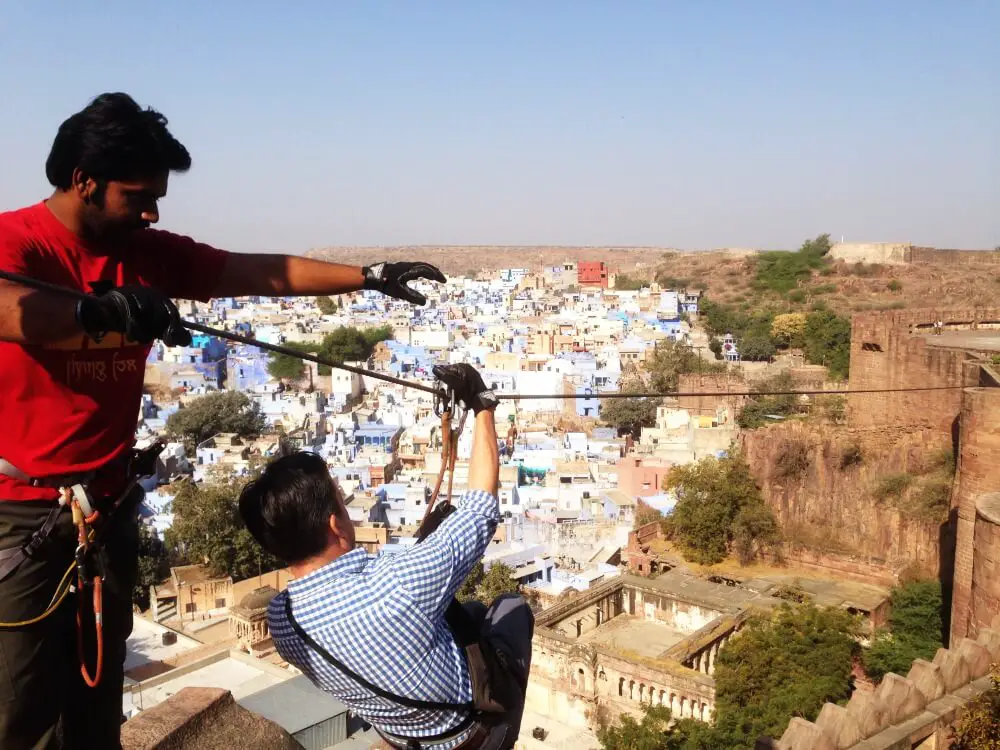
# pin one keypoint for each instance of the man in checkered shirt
(371, 629)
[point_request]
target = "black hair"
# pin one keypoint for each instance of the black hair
(113, 138)
(287, 509)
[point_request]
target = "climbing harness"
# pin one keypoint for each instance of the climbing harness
(445, 406)
(89, 558)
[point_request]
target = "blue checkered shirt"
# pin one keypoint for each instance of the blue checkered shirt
(383, 617)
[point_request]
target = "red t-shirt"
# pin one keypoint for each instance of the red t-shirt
(73, 405)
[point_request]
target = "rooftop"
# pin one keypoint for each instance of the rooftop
(649, 639)
(979, 340)
(294, 705)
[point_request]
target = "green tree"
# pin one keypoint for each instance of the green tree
(755, 412)
(224, 411)
(287, 367)
(348, 344)
(653, 732)
(326, 305)
(979, 725)
(485, 586)
(757, 348)
(626, 283)
(153, 566)
(670, 360)
(207, 529)
(630, 414)
(915, 630)
(781, 272)
(718, 504)
(827, 338)
(785, 664)
(373, 336)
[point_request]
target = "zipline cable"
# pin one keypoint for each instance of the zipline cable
(691, 394)
(277, 349)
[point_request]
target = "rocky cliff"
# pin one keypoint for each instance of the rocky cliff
(855, 492)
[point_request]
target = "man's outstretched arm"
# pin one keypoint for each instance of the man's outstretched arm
(291, 275)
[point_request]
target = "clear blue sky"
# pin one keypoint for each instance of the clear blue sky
(687, 124)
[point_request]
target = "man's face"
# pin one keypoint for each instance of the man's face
(119, 207)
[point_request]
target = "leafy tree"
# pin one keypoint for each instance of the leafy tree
(630, 414)
(786, 664)
(348, 344)
(718, 506)
(485, 586)
(627, 283)
(207, 529)
(645, 514)
(224, 411)
(373, 336)
(651, 733)
(757, 348)
(787, 329)
(828, 342)
(915, 630)
(781, 272)
(979, 725)
(287, 367)
(326, 305)
(153, 565)
(671, 359)
(783, 664)
(755, 412)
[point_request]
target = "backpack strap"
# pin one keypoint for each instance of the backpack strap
(381, 693)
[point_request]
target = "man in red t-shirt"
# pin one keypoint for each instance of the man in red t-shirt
(71, 381)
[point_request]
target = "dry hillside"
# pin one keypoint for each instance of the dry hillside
(845, 287)
(467, 259)
(725, 275)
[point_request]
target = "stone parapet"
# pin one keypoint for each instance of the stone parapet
(902, 711)
(203, 719)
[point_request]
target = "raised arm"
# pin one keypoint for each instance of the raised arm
(433, 570)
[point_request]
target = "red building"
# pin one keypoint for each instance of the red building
(592, 274)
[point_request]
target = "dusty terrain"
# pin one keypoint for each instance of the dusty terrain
(725, 275)
(465, 259)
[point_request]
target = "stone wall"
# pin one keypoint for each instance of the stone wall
(902, 712)
(885, 354)
(824, 499)
(978, 461)
(708, 405)
(892, 253)
(953, 257)
(985, 600)
(582, 684)
(576, 684)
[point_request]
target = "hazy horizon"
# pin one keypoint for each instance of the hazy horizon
(563, 124)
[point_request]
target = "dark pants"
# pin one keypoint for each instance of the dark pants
(509, 624)
(44, 702)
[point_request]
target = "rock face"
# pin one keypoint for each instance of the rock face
(824, 499)
(203, 719)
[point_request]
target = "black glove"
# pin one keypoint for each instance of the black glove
(391, 279)
(429, 525)
(140, 312)
(468, 385)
